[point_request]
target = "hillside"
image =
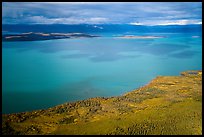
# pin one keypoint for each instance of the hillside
(168, 105)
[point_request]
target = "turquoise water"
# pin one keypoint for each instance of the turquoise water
(42, 74)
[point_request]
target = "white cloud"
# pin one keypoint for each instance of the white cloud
(136, 23)
(199, 22)
(97, 20)
(167, 22)
(179, 22)
(44, 20)
(138, 13)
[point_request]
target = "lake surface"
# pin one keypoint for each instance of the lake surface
(42, 74)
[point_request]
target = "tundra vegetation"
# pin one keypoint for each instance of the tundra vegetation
(168, 105)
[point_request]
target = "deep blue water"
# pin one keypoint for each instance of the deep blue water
(107, 29)
(42, 74)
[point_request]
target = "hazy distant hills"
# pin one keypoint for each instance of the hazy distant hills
(100, 28)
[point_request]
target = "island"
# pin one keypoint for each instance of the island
(36, 36)
(140, 37)
(168, 105)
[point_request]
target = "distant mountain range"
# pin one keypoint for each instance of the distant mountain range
(102, 28)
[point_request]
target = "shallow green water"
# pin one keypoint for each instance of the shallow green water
(42, 74)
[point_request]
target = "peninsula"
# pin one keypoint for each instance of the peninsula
(34, 36)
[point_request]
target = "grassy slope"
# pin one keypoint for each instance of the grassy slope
(167, 105)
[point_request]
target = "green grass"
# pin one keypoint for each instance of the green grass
(169, 105)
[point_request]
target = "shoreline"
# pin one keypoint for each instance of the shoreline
(163, 92)
(39, 36)
(182, 73)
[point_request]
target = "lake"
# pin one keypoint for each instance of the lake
(42, 74)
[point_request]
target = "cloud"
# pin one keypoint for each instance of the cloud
(180, 22)
(136, 23)
(45, 20)
(101, 12)
(168, 22)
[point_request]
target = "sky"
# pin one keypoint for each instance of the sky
(135, 13)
